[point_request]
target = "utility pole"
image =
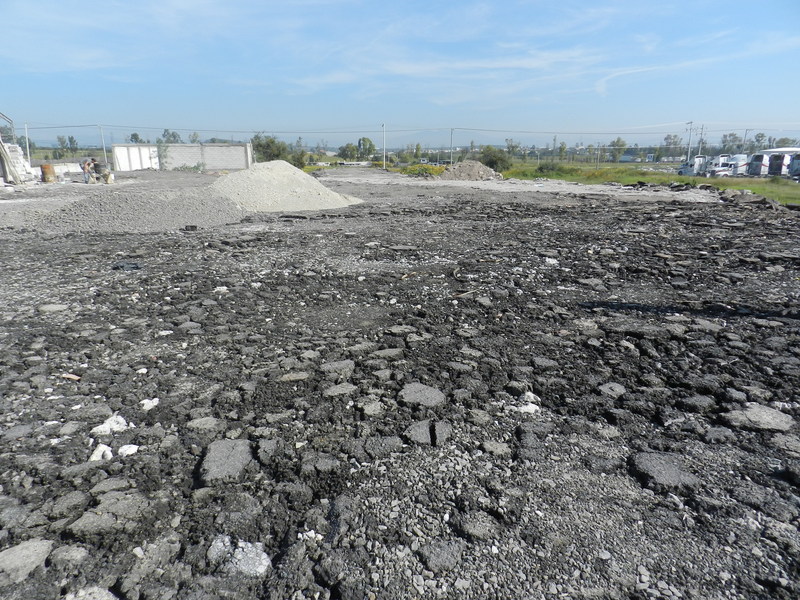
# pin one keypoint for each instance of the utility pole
(27, 143)
(383, 125)
(689, 149)
(700, 143)
(103, 140)
(451, 145)
(744, 140)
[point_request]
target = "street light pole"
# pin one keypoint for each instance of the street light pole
(451, 145)
(689, 150)
(27, 143)
(103, 140)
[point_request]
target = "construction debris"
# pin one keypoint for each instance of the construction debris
(14, 167)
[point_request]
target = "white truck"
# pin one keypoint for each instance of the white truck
(696, 166)
(728, 165)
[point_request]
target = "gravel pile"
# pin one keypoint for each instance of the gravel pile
(277, 186)
(469, 170)
(143, 211)
(149, 202)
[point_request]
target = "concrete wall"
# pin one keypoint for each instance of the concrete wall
(212, 157)
(134, 157)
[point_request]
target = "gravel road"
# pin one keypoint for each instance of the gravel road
(453, 389)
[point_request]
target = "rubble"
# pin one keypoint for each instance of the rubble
(416, 396)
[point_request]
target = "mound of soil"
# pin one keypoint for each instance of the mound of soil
(469, 170)
(277, 186)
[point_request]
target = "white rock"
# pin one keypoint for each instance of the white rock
(113, 424)
(128, 449)
(102, 452)
(91, 593)
(149, 404)
(249, 560)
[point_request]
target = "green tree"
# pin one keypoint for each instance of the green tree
(194, 138)
(562, 150)
(418, 152)
(496, 159)
(512, 147)
(785, 142)
(266, 148)
(730, 143)
(171, 137)
(298, 158)
(673, 144)
(63, 147)
(298, 154)
(617, 148)
(366, 148)
(760, 141)
(134, 138)
(26, 143)
(322, 145)
(73, 145)
(348, 151)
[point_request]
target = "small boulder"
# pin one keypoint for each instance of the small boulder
(758, 417)
(225, 460)
(662, 472)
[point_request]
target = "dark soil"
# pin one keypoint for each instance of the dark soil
(443, 392)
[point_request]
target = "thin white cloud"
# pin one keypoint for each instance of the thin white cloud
(707, 39)
(601, 85)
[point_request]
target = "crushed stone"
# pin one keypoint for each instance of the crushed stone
(469, 170)
(277, 186)
(140, 204)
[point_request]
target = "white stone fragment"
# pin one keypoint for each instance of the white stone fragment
(128, 450)
(113, 424)
(149, 404)
(102, 452)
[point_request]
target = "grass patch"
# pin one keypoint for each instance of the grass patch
(421, 170)
(778, 189)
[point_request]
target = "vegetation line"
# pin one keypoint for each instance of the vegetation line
(778, 189)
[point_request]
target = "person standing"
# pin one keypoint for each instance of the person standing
(88, 169)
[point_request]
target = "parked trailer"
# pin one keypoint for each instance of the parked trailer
(758, 165)
(779, 164)
(773, 162)
(794, 167)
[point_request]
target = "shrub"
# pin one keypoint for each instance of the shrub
(495, 158)
(556, 168)
(422, 170)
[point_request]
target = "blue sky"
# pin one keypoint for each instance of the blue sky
(335, 70)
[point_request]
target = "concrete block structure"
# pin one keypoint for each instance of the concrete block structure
(209, 157)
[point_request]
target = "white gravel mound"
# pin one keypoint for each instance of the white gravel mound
(469, 170)
(277, 186)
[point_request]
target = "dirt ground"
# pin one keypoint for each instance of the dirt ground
(454, 389)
